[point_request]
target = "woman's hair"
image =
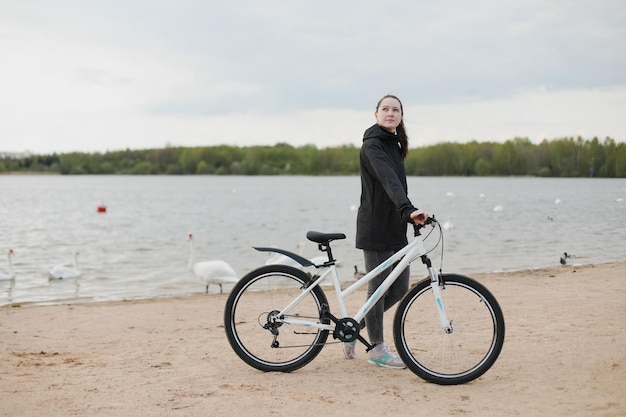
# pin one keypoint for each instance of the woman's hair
(403, 138)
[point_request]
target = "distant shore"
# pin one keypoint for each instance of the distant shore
(29, 173)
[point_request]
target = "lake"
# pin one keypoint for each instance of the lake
(138, 248)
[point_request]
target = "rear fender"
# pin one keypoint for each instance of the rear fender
(301, 260)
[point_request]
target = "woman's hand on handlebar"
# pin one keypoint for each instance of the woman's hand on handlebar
(419, 217)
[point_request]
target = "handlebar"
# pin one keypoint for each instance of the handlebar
(418, 227)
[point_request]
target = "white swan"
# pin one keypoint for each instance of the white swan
(65, 271)
(280, 259)
(10, 275)
(321, 259)
(318, 260)
(211, 272)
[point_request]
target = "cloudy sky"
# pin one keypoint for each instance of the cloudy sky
(114, 74)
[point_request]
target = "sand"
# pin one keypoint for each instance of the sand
(564, 355)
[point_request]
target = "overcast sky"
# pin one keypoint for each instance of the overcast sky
(109, 75)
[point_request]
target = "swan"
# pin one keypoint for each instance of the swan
(322, 259)
(280, 259)
(65, 271)
(318, 260)
(10, 275)
(211, 272)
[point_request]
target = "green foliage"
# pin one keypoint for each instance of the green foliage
(563, 157)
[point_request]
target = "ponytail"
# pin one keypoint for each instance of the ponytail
(403, 139)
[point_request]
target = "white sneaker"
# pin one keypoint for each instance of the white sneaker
(382, 356)
(348, 350)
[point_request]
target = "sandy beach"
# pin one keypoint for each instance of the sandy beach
(564, 355)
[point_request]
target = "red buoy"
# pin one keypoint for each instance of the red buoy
(102, 208)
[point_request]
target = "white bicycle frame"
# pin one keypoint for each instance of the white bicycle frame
(404, 257)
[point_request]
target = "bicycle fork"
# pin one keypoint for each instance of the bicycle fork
(436, 284)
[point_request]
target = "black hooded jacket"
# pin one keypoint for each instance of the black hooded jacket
(385, 207)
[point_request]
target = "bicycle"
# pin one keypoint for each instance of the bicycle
(448, 329)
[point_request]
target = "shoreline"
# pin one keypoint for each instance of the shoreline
(563, 356)
(414, 278)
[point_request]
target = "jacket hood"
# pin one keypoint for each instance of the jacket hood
(378, 132)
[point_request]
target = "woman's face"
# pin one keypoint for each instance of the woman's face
(389, 113)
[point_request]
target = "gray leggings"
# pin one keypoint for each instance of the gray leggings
(374, 319)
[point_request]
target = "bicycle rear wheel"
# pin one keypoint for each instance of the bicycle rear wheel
(462, 355)
(255, 332)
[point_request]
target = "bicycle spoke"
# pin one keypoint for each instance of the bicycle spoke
(465, 353)
(256, 333)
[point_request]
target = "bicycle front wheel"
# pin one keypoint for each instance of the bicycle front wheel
(256, 332)
(469, 347)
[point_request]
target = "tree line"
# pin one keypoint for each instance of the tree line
(564, 157)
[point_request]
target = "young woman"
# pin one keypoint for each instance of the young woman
(383, 216)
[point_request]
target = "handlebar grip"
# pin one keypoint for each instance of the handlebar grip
(418, 227)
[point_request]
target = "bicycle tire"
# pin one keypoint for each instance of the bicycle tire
(249, 327)
(462, 355)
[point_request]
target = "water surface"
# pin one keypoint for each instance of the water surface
(139, 249)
